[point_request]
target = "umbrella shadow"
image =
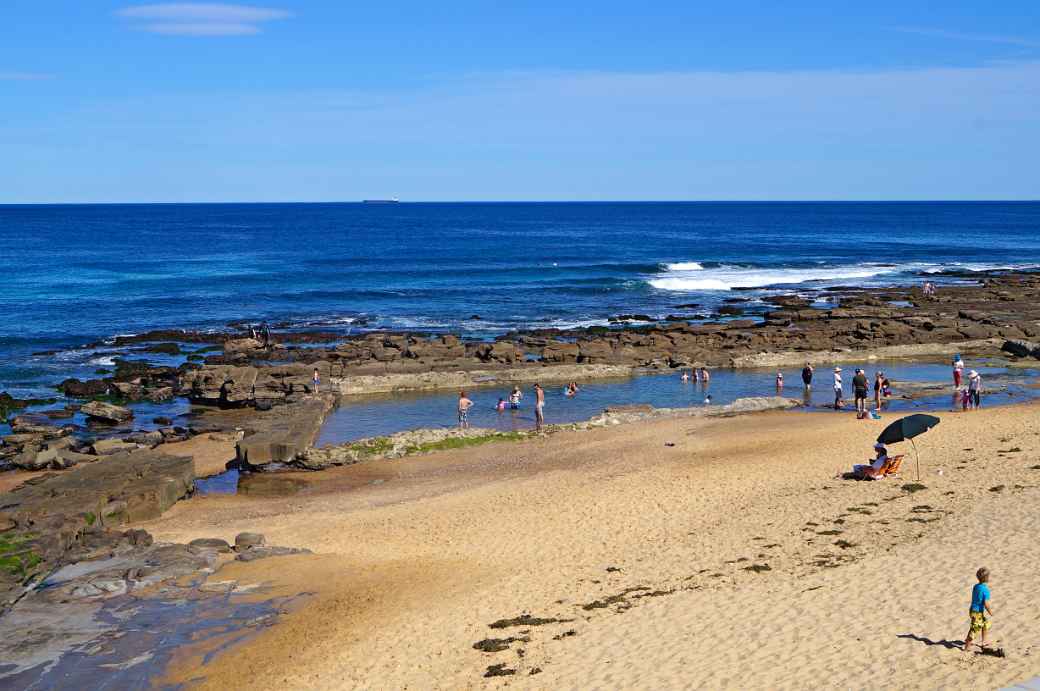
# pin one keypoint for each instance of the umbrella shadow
(949, 645)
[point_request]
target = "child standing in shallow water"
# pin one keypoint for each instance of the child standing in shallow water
(980, 599)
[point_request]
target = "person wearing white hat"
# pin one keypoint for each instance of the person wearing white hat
(838, 397)
(974, 389)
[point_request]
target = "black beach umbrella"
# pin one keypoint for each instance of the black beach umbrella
(905, 429)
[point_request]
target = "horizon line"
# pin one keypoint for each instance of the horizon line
(379, 202)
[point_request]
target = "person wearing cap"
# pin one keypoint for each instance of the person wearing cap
(974, 389)
(838, 402)
(958, 370)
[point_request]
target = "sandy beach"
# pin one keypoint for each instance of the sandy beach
(720, 553)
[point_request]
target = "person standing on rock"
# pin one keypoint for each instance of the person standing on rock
(464, 405)
(807, 373)
(539, 405)
(316, 380)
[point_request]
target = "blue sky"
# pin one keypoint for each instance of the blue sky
(330, 100)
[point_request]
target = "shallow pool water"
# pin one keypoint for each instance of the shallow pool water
(368, 416)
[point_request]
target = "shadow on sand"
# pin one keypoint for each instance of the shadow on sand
(950, 645)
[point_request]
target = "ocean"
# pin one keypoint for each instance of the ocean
(77, 274)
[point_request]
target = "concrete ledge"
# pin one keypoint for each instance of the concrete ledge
(462, 379)
(285, 432)
(793, 358)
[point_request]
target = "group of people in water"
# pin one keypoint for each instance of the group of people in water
(515, 396)
(860, 388)
(697, 374)
(966, 393)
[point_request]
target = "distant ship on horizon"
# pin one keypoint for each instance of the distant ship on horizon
(392, 200)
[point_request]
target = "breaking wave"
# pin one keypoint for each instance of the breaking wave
(695, 276)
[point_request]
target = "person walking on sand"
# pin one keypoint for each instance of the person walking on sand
(807, 373)
(975, 389)
(316, 380)
(464, 405)
(980, 607)
(859, 385)
(539, 405)
(514, 398)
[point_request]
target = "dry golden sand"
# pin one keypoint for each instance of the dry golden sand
(867, 586)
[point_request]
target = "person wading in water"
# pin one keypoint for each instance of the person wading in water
(539, 405)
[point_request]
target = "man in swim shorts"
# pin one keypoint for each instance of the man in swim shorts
(464, 405)
(859, 383)
(539, 405)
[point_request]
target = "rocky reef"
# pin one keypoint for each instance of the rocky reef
(1003, 307)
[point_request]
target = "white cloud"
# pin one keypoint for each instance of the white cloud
(201, 19)
(961, 36)
(202, 29)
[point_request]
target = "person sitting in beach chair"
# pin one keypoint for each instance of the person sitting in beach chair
(881, 466)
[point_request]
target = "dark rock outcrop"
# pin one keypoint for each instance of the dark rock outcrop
(1021, 348)
(64, 516)
(107, 412)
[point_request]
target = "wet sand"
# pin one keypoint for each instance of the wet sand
(733, 559)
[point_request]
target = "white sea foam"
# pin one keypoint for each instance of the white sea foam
(567, 324)
(684, 266)
(730, 277)
(964, 266)
(692, 276)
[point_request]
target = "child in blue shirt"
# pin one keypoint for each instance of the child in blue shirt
(980, 600)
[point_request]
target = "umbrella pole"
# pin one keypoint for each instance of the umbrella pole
(917, 456)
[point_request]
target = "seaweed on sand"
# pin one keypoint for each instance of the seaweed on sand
(499, 670)
(526, 620)
(495, 645)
